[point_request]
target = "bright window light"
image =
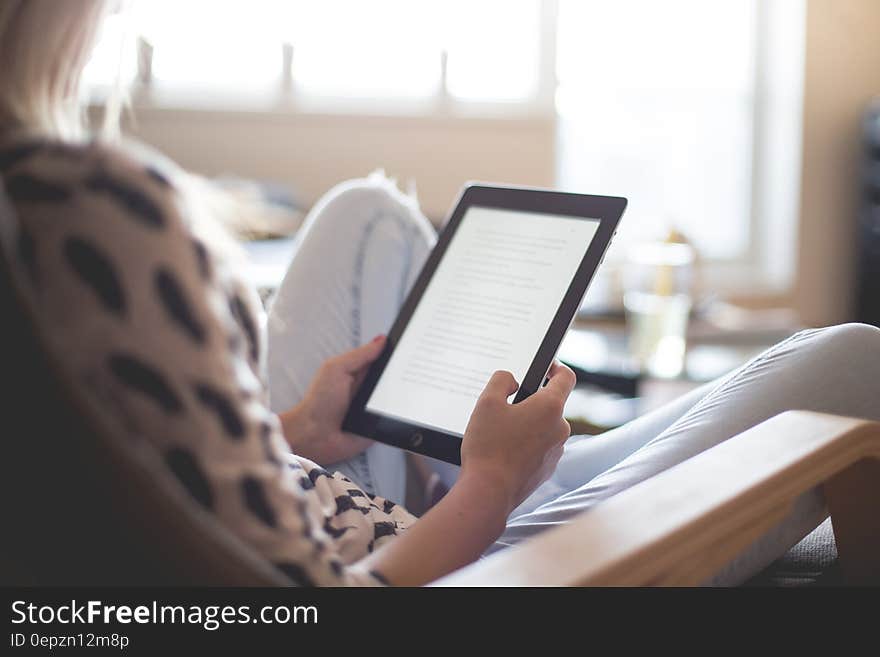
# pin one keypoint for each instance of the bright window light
(493, 48)
(113, 57)
(656, 103)
(224, 44)
(378, 49)
(655, 100)
(341, 48)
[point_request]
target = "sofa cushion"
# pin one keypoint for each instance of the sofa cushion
(812, 562)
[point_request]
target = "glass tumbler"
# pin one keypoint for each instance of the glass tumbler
(657, 297)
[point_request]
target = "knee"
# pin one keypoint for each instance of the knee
(853, 346)
(852, 338)
(354, 204)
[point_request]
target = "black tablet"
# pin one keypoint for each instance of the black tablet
(498, 292)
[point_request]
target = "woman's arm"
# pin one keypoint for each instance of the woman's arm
(312, 428)
(508, 450)
(451, 535)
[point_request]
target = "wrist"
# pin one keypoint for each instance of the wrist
(297, 428)
(491, 487)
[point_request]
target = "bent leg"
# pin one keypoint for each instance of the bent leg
(832, 370)
(587, 456)
(359, 252)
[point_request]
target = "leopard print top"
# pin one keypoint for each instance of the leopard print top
(158, 329)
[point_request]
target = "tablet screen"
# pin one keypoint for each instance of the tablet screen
(488, 307)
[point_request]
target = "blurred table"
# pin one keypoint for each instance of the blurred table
(598, 351)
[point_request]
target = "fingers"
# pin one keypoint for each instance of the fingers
(564, 430)
(561, 381)
(354, 360)
(358, 378)
(554, 368)
(501, 384)
(551, 399)
(557, 444)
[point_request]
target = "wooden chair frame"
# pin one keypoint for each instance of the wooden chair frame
(682, 525)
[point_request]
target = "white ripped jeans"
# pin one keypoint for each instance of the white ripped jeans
(361, 248)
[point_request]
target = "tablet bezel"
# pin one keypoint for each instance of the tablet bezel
(447, 446)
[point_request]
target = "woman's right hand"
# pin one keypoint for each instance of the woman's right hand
(516, 446)
(507, 451)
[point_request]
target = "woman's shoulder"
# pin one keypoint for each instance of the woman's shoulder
(30, 149)
(99, 217)
(42, 169)
(92, 182)
(128, 197)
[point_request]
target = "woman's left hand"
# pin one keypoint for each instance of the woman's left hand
(313, 428)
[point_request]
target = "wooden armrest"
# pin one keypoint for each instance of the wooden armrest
(682, 525)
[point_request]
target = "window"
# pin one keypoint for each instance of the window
(656, 103)
(481, 51)
(688, 108)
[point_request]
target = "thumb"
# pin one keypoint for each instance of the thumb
(561, 381)
(500, 384)
(352, 361)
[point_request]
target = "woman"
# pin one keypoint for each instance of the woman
(137, 295)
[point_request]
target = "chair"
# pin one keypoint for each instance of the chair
(683, 525)
(81, 507)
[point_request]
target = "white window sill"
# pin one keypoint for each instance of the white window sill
(274, 100)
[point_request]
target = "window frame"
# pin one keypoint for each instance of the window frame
(763, 270)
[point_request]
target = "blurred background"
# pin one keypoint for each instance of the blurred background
(743, 133)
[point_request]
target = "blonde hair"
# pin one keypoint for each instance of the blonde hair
(44, 46)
